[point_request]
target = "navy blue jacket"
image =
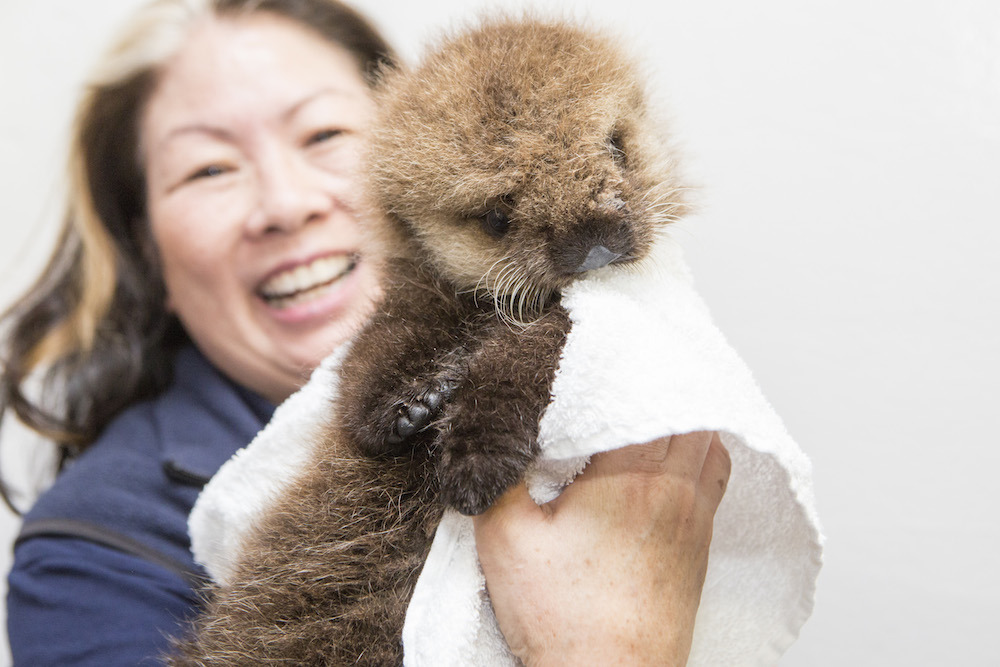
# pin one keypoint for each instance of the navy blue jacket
(103, 573)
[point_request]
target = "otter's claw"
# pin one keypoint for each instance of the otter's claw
(417, 415)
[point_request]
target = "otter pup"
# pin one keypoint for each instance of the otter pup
(518, 157)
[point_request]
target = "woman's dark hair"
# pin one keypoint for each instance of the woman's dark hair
(94, 332)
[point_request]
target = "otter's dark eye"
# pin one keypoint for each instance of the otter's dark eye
(617, 147)
(496, 222)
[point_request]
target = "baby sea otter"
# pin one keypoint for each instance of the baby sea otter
(518, 157)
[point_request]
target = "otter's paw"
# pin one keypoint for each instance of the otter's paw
(415, 413)
(471, 481)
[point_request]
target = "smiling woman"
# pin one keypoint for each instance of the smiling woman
(99, 328)
(210, 258)
(252, 142)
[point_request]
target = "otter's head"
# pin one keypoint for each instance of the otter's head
(521, 155)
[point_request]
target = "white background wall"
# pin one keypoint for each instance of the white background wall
(849, 153)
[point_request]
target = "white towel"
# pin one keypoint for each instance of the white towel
(642, 360)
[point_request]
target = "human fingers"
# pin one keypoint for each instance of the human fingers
(715, 472)
(685, 456)
(640, 474)
(643, 459)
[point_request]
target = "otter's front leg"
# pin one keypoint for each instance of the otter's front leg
(489, 430)
(420, 402)
(401, 370)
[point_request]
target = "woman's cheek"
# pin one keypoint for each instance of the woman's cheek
(204, 219)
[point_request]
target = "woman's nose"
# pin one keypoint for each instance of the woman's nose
(290, 195)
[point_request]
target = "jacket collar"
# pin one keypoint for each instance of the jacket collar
(204, 418)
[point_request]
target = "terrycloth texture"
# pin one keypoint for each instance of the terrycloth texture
(642, 360)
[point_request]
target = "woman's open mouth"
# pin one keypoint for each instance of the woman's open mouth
(306, 282)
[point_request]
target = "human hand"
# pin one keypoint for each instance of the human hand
(611, 571)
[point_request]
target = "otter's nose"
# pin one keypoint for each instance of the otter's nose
(597, 257)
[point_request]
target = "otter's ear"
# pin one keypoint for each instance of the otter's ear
(616, 146)
(382, 73)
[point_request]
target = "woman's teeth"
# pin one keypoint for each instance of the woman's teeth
(305, 282)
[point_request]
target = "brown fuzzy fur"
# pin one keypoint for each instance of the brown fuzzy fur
(539, 125)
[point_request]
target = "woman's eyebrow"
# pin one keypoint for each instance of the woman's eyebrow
(308, 99)
(215, 131)
(224, 134)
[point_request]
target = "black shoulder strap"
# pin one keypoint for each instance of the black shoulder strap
(109, 538)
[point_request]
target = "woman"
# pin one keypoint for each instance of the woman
(210, 260)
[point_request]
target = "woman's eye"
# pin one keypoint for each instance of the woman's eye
(210, 171)
(322, 135)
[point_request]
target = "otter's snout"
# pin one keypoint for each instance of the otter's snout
(593, 243)
(597, 257)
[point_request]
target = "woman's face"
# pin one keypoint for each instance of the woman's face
(251, 144)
